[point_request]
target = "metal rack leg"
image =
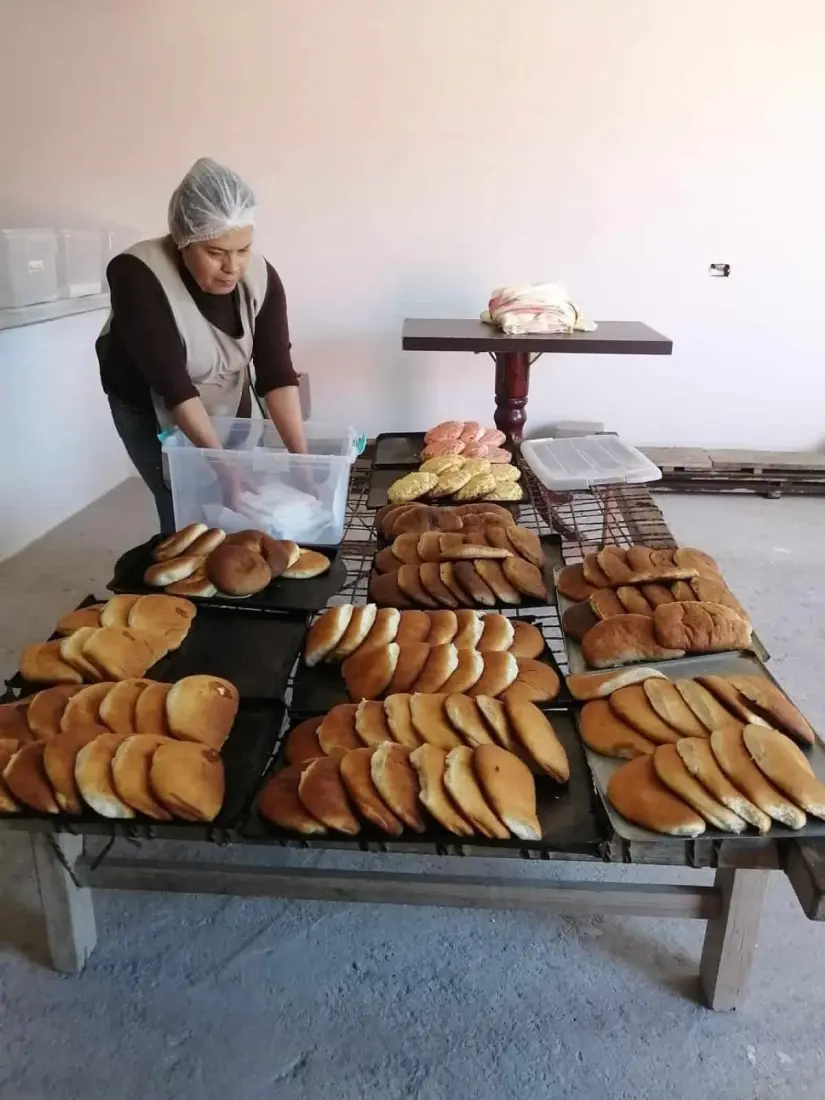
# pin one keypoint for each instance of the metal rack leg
(730, 939)
(67, 908)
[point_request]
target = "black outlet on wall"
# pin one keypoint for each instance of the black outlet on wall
(719, 271)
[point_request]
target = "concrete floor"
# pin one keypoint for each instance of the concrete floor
(215, 998)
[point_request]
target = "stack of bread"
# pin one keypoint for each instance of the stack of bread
(640, 604)
(461, 478)
(717, 750)
(467, 438)
(493, 565)
(120, 749)
(200, 561)
(116, 640)
(411, 518)
(386, 651)
(466, 762)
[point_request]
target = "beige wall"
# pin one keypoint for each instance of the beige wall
(413, 154)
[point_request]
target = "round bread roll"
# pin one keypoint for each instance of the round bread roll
(207, 542)
(528, 641)
(252, 540)
(202, 708)
(356, 774)
(280, 554)
(302, 742)
(498, 634)
(26, 779)
(237, 570)
(430, 763)
(309, 564)
(279, 803)
(188, 779)
(640, 796)
(179, 542)
(168, 572)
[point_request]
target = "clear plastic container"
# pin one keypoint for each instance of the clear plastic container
(254, 482)
(28, 268)
(115, 241)
(588, 460)
(78, 262)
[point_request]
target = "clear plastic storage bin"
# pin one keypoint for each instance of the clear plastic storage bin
(28, 269)
(581, 463)
(254, 482)
(78, 262)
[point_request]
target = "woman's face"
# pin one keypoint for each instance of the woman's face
(218, 265)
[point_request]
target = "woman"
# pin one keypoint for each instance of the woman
(190, 313)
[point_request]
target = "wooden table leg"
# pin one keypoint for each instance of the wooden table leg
(730, 939)
(67, 908)
(512, 386)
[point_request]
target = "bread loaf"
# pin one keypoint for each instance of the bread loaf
(700, 627)
(625, 640)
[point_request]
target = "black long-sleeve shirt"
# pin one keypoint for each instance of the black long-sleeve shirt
(144, 351)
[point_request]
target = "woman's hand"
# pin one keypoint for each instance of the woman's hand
(284, 408)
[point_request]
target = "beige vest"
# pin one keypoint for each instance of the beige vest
(216, 363)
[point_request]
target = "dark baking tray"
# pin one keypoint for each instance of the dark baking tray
(317, 690)
(245, 754)
(551, 545)
(570, 817)
(254, 651)
(398, 449)
(280, 595)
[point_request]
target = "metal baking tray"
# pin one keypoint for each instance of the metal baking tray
(254, 651)
(246, 754)
(382, 477)
(280, 595)
(551, 544)
(318, 689)
(714, 664)
(577, 663)
(570, 816)
(398, 449)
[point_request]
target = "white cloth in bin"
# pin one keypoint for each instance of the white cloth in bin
(280, 510)
(545, 308)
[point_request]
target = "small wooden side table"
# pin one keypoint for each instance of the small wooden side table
(514, 355)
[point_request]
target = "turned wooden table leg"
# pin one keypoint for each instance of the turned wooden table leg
(512, 386)
(730, 939)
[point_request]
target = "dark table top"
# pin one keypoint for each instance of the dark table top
(610, 338)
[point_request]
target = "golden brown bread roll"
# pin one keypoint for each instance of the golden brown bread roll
(197, 584)
(41, 663)
(682, 592)
(336, 733)
(360, 624)
(249, 540)
(578, 619)
(205, 543)
(689, 558)
(322, 791)
(470, 629)
(527, 545)
(671, 708)
(118, 706)
(356, 776)
(203, 709)
(700, 627)
(371, 723)
(93, 775)
(14, 724)
(414, 520)
(705, 706)
(764, 700)
(525, 577)
(509, 788)
(59, 760)
(633, 601)
(116, 610)
(638, 794)
(536, 734)
(414, 626)
(446, 572)
(385, 515)
(71, 651)
(571, 583)
(170, 617)
(723, 690)
(671, 771)
(430, 764)
(632, 705)
(302, 742)
(429, 546)
(370, 670)
(281, 555)
(467, 576)
(698, 758)
(612, 561)
(409, 582)
(171, 572)
(463, 788)
(120, 653)
(175, 544)
(430, 576)
(131, 767)
(443, 627)
(494, 714)
(500, 671)
(467, 674)
(735, 761)
(778, 758)
(46, 710)
(188, 779)
(411, 660)
(528, 641)
(25, 777)
(82, 616)
(310, 564)
(385, 627)
(605, 604)
(598, 685)
(603, 731)
(397, 783)
(465, 717)
(656, 594)
(82, 711)
(237, 570)
(441, 663)
(326, 633)
(150, 709)
(385, 561)
(399, 719)
(279, 803)
(536, 681)
(431, 722)
(625, 640)
(8, 803)
(713, 590)
(493, 575)
(497, 635)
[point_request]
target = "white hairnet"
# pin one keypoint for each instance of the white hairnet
(209, 200)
